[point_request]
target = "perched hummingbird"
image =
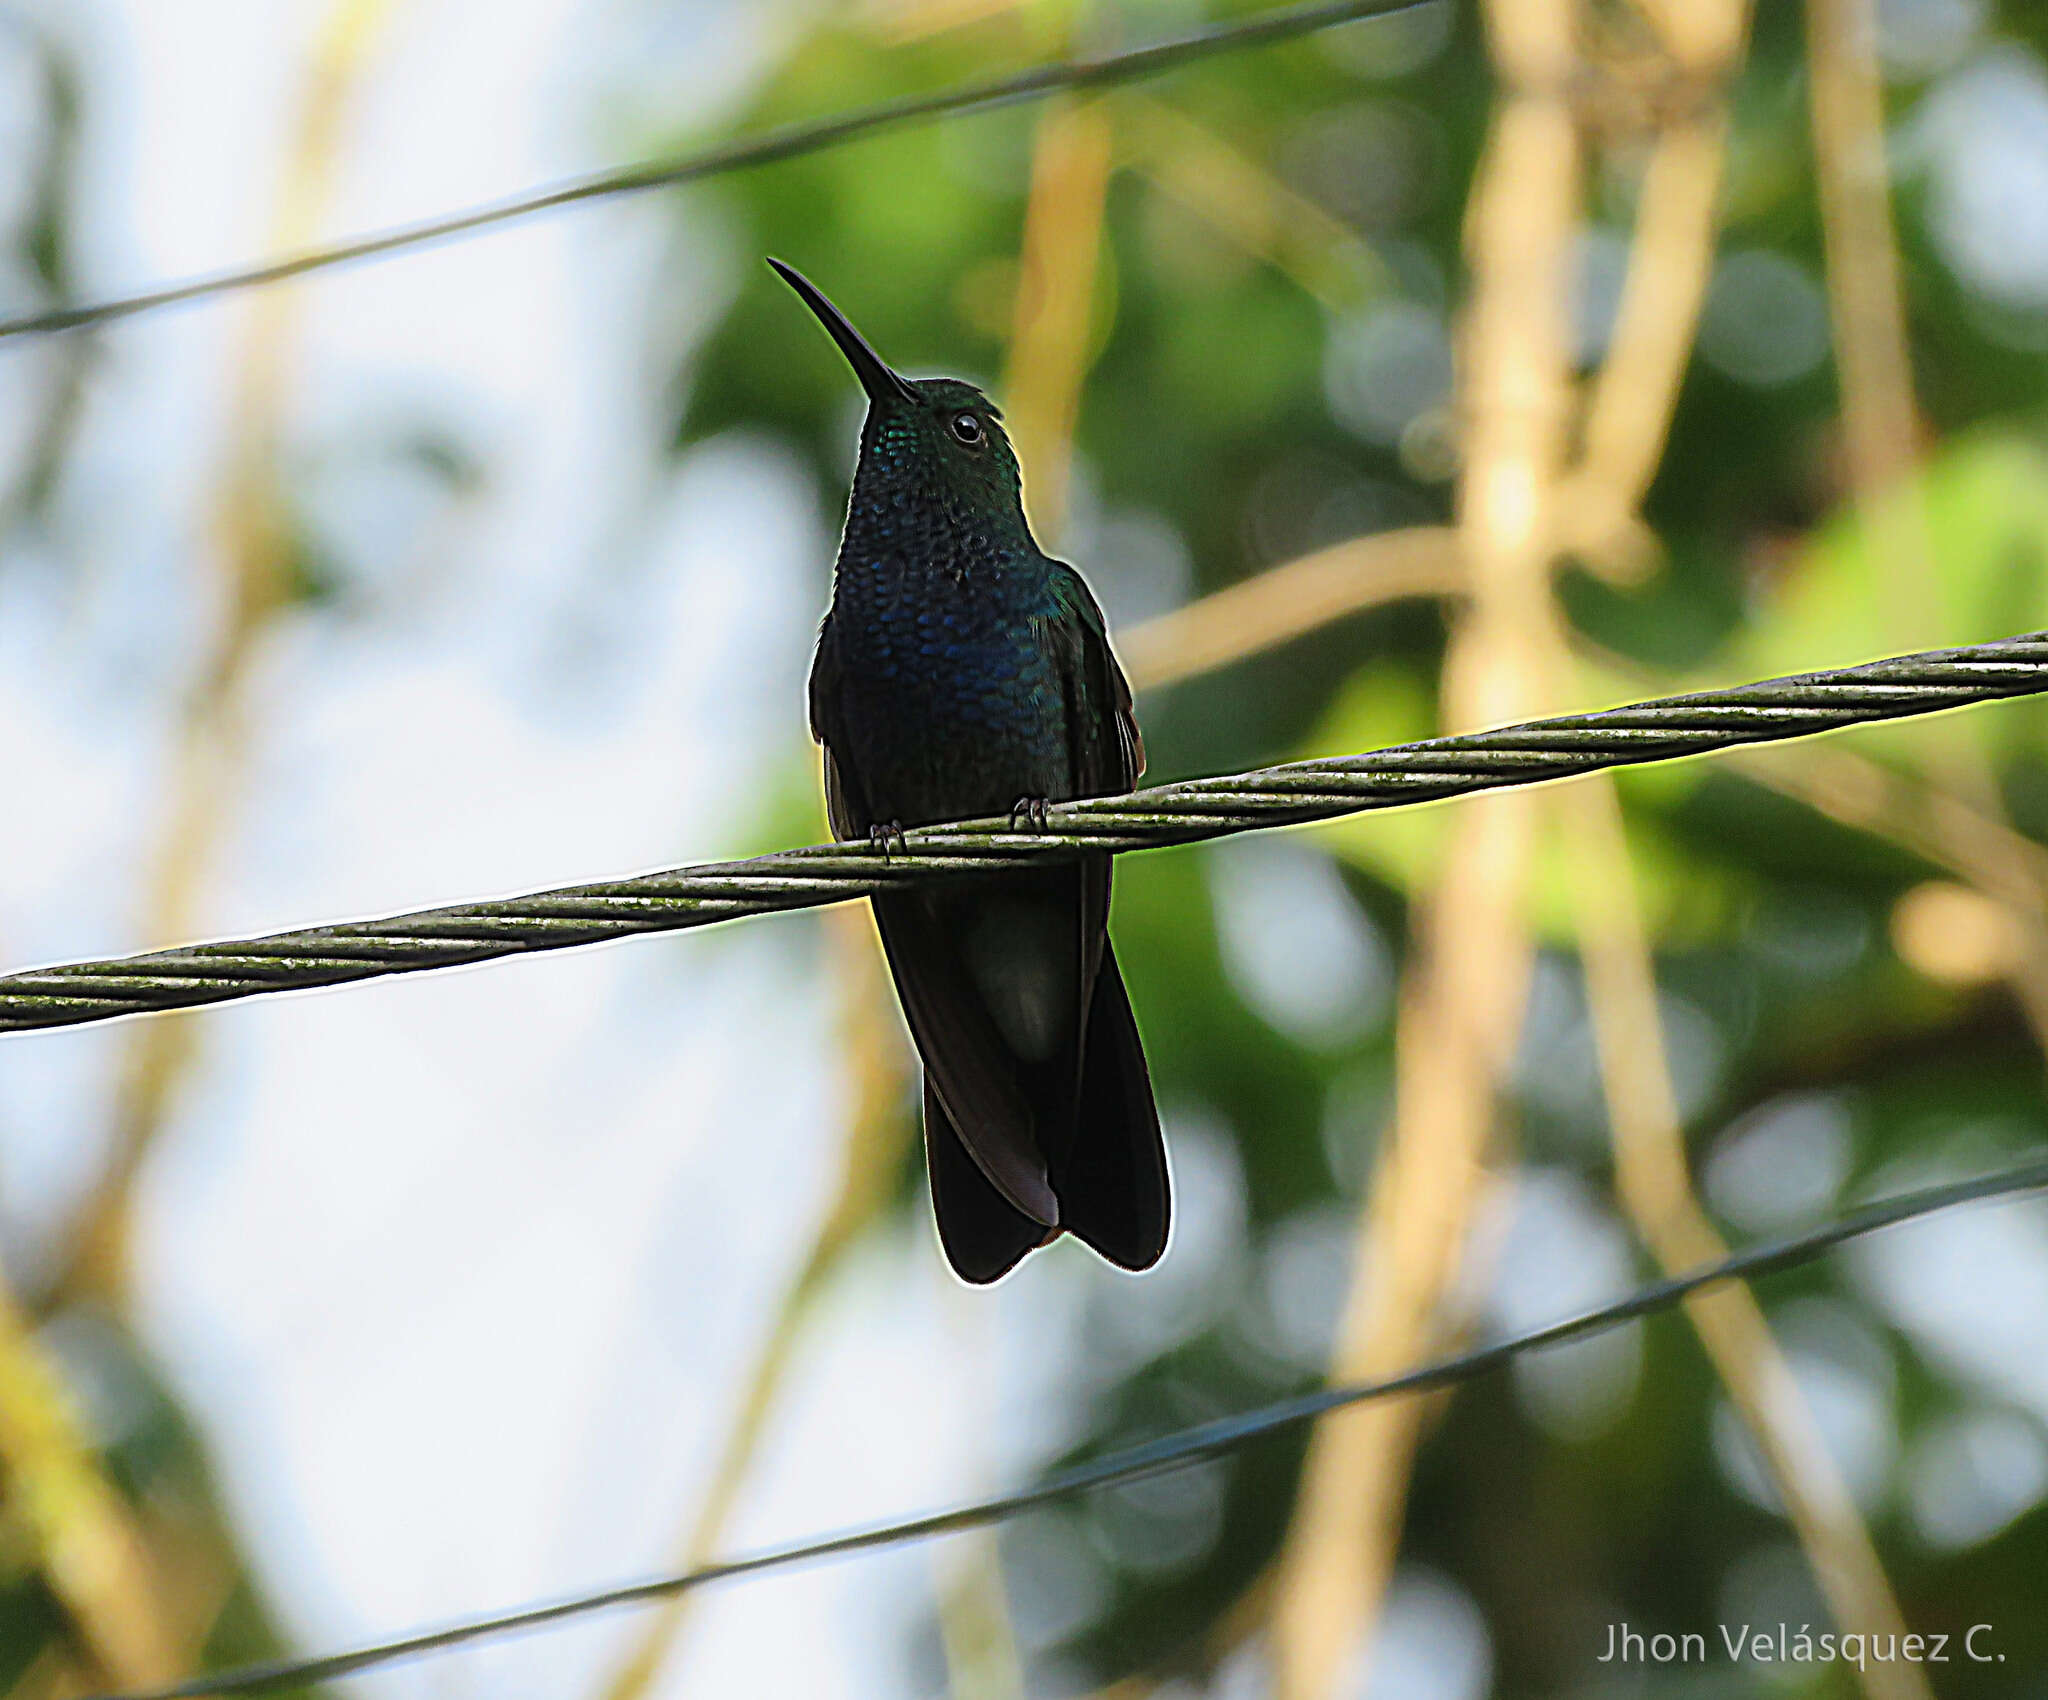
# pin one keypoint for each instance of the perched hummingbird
(961, 672)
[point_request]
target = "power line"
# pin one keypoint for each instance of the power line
(788, 142)
(1659, 730)
(1172, 1452)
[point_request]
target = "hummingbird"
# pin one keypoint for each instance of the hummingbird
(961, 672)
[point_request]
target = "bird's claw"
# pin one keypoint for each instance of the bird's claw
(887, 837)
(1031, 813)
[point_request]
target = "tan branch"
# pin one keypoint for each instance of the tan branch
(1052, 342)
(1288, 601)
(1237, 196)
(1628, 419)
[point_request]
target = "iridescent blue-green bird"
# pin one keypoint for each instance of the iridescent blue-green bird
(961, 672)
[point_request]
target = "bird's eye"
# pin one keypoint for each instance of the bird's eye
(967, 427)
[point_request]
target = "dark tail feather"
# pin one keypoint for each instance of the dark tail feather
(963, 1049)
(1113, 1188)
(983, 1233)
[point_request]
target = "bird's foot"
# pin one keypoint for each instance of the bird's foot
(887, 837)
(1031, 814)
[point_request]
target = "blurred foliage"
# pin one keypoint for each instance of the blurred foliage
(1230, 409)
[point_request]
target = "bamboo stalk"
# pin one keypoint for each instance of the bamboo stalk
(1864, 290)
(1670, 261)
(1627, 422)
(1463, 997)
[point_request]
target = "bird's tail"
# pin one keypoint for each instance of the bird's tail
(1112, 1188)
(1112, 1185)
(983, 1233)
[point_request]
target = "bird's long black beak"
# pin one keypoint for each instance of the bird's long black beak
(876, 378)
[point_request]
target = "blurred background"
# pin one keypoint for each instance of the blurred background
(1440, 370)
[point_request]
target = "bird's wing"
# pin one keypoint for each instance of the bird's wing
(1105, 748)
(825, 680)
(967, 1059)
(964, 1053)
(1111, 1171)
(1105, 753)
(845, 799)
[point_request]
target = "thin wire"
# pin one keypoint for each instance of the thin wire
(789, 142)
(1660, 730)
(1172, 1452)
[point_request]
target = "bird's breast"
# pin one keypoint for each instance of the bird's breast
(953, 694)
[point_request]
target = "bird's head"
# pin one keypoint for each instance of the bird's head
(940, 435)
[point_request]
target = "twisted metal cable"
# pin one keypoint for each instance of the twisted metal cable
(1171, 1452)
(789, 142)
(1660, 730)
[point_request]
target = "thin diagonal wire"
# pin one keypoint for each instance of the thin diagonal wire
(788, 142)
(1171, 1452)
(1660, 730)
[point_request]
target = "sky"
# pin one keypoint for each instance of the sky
(460, 1280)
(459, 1277)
